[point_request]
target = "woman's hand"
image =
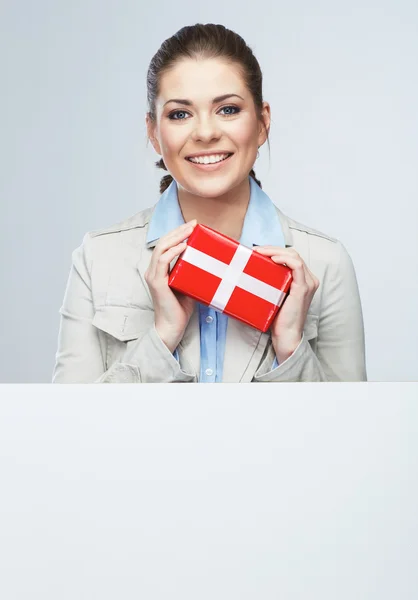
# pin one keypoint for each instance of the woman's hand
(287, 327)
(172, 310)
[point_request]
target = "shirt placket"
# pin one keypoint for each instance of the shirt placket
(208, 343)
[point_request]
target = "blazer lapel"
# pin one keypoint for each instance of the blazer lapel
(189, 347)
(244, 349)
(287, 234)
(142, 266)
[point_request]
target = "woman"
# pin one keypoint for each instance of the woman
(121, 322)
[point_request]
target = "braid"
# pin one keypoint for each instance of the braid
(252, 174)
(167, 179)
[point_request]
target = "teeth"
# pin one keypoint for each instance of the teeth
(205, 160)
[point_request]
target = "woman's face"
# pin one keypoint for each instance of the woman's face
(189, 122)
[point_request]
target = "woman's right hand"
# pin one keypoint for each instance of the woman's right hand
(172, 310)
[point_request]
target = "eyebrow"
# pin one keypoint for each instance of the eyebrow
(214, 101)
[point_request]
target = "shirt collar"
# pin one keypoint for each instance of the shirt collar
(261, 224)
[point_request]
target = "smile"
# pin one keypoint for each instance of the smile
(209, 163)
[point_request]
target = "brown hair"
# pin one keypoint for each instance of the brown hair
(204, 41)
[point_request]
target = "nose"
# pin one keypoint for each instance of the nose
(206, 129)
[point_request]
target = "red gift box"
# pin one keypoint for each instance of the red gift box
(221, 273)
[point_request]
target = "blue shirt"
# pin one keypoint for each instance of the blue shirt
(261, 228)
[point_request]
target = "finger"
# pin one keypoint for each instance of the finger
(296, 265)
(175, 236)
(270, 250)
(154, 270)
(163, 263)
(170, 240)
(312, 281)
(281, 254)
(314, 278)
(165, 243)
(285, 253)
(186, 225)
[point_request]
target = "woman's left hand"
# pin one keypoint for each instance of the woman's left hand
(287, 327)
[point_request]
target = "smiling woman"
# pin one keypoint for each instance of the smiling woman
(188, 119)
(121, 321)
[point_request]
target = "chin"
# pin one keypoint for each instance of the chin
(208, 187)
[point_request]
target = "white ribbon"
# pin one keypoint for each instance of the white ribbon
(232, 276)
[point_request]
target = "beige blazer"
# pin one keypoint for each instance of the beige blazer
(107, 332)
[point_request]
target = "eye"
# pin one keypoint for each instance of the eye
(177, 112)
(230, 114)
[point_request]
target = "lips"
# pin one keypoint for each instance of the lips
(209, 167)
(227, 155)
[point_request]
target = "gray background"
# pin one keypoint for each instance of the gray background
(341, 80)
(136, 495)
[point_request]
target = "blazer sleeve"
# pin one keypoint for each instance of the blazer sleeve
(79, 356)
(340, 348)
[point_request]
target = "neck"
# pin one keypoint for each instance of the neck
(224, 213)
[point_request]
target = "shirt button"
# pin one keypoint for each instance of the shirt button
(209, 319)
(209, 372)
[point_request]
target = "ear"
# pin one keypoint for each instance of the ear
(151, 130)
(266, 116)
